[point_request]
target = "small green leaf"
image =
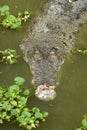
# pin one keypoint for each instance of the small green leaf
(8, 118)
(1, 89)
(22, 101)
(5, 7)
(13, 112)
(4, 114)
(14, 103)
(37, 123)
(8, 21)
(26, 114)
(15, 25)
(1, 121)
(26, 12)
(6, 106)
(20, 119)
(18, 110)
(11, 18)
(4, 10)
(1, 96)
(79, 129)
(14, 89)
(9, 107)
(35, 109)
(19, 81)
(26, 92)
(38, 115)
(45, 114)
(84, 124)
(1, 104)
(8, 94)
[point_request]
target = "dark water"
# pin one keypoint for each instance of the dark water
(66, 111)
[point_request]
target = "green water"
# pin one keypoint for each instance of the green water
(66, 111)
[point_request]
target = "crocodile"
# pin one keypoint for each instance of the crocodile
(50, 39)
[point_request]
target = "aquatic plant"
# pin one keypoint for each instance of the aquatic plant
(8, 56)
(84, 52)
(8, 20)
(83, 123)
(13, 106)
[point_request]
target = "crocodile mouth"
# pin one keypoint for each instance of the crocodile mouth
(46, 93)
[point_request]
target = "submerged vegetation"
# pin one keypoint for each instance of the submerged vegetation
(13, 106)
(8, 56)
(8, 20)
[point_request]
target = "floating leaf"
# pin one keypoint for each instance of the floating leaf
(10, 51)
(35, 109)
(9, 107)
(6, 105)
(26, 114)
(22, 101)
(19, 118)
(26, 92)
(16, 25)
(26, 13)
(8, 20)
(4, 10)
(8, 56)
(1, 104)
(13, 106)
(26, 109)
(45, 114)
(7, 118)
(18, 110)
(1, 96)
(4, 114)
(84, 124)
(24, 118)
(14, 103)
(19, 81)
(8, 94)
(1, 89)
(13, 112)
(14, 89)
(38, 115)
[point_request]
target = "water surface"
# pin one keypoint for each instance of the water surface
(12, 39)
(66, 111)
